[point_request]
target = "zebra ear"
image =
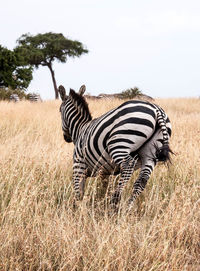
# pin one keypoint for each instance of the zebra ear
(82, 90)
(62, 92)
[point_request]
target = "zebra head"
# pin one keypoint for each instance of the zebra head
(67, 110)
(65, 127)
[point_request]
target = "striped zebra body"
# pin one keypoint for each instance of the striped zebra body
(133, 135)
(14, 98)
(34, 97)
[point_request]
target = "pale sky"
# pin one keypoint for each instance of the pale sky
(151, 44)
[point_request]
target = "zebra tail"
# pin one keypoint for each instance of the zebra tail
(163, 153)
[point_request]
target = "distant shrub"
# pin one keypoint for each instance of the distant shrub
(6, 92)
(130, 93)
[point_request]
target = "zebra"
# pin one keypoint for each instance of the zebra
(14, 98)
(33, 97)
(133, 135)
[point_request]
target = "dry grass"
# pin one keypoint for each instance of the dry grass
(40, 230)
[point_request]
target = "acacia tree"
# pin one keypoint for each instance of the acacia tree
(43, 49)
(14, 71)
(130, 93)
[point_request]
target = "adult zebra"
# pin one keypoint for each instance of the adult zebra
(14, 98)
(34, 97)
(133, 135)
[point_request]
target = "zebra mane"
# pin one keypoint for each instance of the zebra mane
(80, 101)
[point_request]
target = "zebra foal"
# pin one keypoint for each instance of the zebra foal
(133, 135)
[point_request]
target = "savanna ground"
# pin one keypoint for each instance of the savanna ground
(40, 229)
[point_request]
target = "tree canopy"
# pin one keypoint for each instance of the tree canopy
(43, 49)
(14, 71)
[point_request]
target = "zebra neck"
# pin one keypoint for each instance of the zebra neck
(78, 120)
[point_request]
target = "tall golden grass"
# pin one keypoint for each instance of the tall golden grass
(40, 229)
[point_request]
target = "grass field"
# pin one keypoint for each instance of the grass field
(39, 228)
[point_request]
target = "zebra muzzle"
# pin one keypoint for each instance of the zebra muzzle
(67, 139)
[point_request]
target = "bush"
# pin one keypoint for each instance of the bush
(130, 93)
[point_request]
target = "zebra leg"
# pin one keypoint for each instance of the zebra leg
(141, 181)
(79, 178)
(127, 168)
(149, 156)
(79, 184)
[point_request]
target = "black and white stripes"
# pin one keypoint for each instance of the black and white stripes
(133, 135)
(33, 97)
(14, 98)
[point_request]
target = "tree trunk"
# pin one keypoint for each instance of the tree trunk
(54, 80)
